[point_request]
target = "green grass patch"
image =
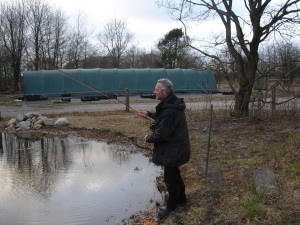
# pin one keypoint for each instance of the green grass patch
(7, 100)
(252, 207)
(291, 171)
(243, 162)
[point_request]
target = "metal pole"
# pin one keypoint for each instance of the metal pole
(209, 142)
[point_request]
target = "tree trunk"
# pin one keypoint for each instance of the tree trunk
(242, 99)
(16, 72)
(241, 107)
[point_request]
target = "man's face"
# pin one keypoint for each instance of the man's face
(160, 94)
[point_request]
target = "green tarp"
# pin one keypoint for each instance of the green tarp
(114, 81)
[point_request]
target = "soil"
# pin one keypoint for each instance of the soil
(221, 190)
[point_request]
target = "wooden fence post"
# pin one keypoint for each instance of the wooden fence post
(127, 99)
(209, 141)
(273, 101)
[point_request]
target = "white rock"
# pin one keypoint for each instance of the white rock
(61, 122)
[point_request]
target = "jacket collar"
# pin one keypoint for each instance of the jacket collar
(171, 101)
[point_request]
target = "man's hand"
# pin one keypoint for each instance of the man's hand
(146, 136)
(142, 113)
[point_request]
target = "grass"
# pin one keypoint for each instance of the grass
(252, 207)
(239, 148)
(7, 100)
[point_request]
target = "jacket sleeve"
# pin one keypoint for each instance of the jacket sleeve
(165, 128)
(151, 114)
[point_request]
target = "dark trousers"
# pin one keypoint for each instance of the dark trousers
(175, 186)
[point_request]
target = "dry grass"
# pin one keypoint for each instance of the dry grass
(239, 147)
(7, 100)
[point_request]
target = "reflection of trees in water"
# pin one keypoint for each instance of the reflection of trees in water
(119, 154)
(1, 146)
(38, 167)
(83, 145)
(35, 166)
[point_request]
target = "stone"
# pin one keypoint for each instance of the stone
(34, 121)
(23, 125)
(49, 122)
(37, 126)
(35, 114)
(11, 122)
(20, 117)
(28, 115)
(39, 122)
(61, 122)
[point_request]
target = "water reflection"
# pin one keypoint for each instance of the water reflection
(72, 181)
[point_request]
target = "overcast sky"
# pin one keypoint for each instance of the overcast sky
(144, 18)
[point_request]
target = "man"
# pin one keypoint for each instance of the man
(171, 142)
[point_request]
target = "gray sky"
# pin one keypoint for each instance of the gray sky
(143, 17)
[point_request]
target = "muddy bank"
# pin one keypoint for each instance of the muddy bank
(109, 126)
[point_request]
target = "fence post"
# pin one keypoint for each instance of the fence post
(273, 101)
(259, 107)
(127, 99)
(209, 142)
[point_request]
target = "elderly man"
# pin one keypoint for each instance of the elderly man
(171, 142)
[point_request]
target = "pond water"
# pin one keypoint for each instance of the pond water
(73, 181)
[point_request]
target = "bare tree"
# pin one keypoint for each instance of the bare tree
(246, 25)
(280, 61)
(132, 57)
(116, 38)
(54, 40)
(46, 35)
(6, 79)
(140, 58)
(148, 59)
(37, 20)
(289, 59)
(12, 34)
(57, 42)
(78, 50)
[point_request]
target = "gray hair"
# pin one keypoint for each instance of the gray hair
(166, 84)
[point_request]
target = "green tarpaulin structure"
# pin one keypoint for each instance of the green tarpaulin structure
(114, 81)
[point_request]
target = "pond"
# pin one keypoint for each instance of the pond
(73, 181)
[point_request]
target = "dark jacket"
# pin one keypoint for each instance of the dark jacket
(170, 135)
